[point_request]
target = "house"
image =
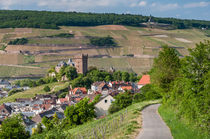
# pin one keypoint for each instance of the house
(100, 87)
(78, 91)
(3, 94)
(62, 101)
(124, 88)
(101, 108)
(28, 123)
(48, 114)
(116, 84)
(59, 66)
(5, 111)
(4, 83)
(144, 81)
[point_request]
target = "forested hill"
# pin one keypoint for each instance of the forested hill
(52, 20)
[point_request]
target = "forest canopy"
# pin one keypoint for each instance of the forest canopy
(52, 20)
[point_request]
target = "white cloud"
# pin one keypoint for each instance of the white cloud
(164, 7)
(5, 4)
(142, 3)
(197, 4)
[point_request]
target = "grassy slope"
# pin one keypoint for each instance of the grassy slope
(36, 90)
(11, 71)
(128, 128)
(178, 128)
(132, 40)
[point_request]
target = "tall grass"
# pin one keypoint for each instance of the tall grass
(179, 129)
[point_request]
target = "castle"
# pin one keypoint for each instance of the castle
(80, 62)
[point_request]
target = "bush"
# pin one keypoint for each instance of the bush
(62, 35)
(12, 128)
(122, 100)
(47, 89)
(103, 41)
(21, 41)
(138, 97)
(113, 109)
(14, 91)
(150, 92)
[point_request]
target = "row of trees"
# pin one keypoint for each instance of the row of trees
(93, 75)
(185, 83)
(52, 20)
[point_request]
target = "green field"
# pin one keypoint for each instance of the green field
(179, 129)
(131, 40)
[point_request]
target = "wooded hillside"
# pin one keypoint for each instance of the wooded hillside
(52, 20)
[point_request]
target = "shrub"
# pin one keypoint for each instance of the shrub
(102, 41)
(21, 41)
(47, 89)
(113, 109)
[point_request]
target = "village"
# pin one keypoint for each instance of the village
(34, 109)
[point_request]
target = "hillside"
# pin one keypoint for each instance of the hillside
(53, 20)
(123, 124)
(33, 91)
(42, 52)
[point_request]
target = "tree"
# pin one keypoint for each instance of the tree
(125, 76)
(47, 89)
(12, 128)
(117, 76)
(150, 92)
(79, 113)
(190, 91)
(132, 77)
(165, 68)
(47, 123)
(122, 100)
(70, 72)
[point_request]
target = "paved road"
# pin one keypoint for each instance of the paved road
(153, 126)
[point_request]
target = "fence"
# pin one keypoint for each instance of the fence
(103, 129)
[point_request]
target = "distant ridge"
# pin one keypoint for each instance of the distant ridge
(52, 20)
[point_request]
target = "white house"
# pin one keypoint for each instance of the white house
(101, 108)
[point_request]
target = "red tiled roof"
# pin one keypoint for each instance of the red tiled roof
(62, 100)
(46, 106)
(127, 87)
(144, 80)
(83, 89)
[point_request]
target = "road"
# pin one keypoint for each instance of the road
(153, 126)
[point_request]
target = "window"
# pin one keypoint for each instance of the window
(105, 101)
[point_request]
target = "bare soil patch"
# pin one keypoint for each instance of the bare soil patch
(112, 27)
(23, 30)
(183, 40)
(161, 36)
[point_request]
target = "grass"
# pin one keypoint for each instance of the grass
(33, 91)
(179, 129)
(11, 71)
(128, 128)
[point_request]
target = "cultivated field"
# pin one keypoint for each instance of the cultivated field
(143, 43)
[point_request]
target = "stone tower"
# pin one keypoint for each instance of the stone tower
(81, 63)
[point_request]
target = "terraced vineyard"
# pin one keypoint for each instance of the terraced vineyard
(143, 43)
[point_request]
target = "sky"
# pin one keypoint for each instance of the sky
(185, 9)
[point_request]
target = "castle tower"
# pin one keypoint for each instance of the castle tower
(81, 63)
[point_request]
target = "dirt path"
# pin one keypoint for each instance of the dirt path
(153, 126)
